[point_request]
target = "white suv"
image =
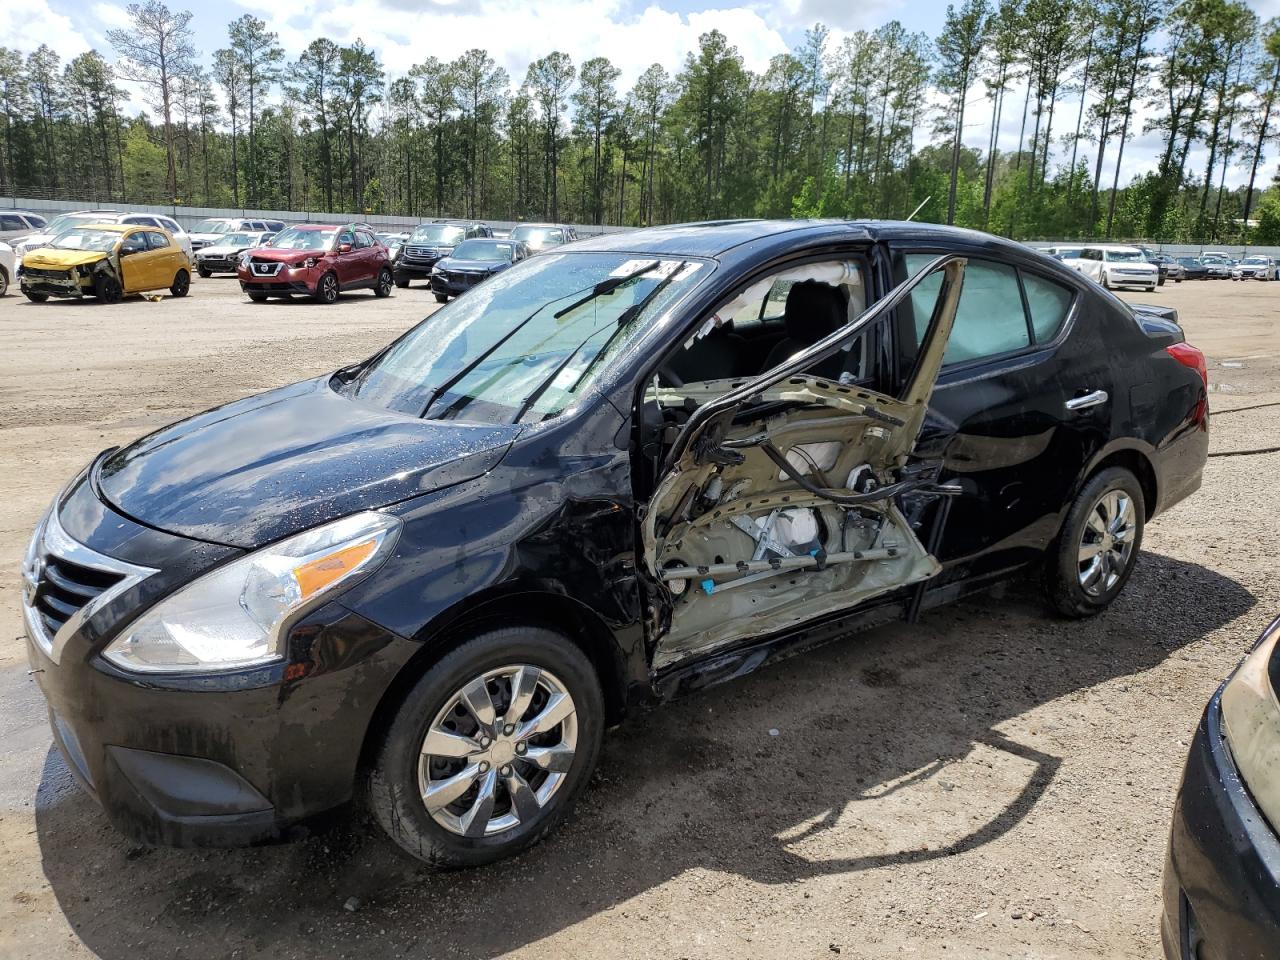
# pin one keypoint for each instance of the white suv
(19, 223)
(1116, 266)
(212, 231)
(64, 222)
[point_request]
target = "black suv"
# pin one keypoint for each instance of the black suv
(431, 241)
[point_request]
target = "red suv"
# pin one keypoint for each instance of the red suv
(318, 259)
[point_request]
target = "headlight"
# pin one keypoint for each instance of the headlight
(235, 616)
(1251, 722)
(308, 263)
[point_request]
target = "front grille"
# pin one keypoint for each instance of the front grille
(265, 268)
(64, 587)
(421, 253)
(46, 274)
(63, 581)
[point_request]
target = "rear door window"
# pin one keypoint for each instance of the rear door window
(12, 222)
(1048, 304)
(156, 240)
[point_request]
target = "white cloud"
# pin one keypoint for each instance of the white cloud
(40, 24)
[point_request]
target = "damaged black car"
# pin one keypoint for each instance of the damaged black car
(614, 473)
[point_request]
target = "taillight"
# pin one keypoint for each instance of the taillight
(1190, 356)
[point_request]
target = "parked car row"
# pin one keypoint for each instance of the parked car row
(1115, 265)
(68, 221)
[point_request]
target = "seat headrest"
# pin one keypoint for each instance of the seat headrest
(814, 310)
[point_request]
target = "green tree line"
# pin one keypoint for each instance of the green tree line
(874, 125)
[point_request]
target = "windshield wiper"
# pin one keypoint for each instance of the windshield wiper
(486, 354)
(624, 318)
(607, 285)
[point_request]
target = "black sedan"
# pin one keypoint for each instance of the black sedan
(1222, 873)
(650, 462)
(472, 262)
(1193, 268)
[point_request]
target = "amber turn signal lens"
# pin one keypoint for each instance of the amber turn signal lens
(317, 574)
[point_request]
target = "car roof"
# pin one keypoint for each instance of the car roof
(717, 238)
(118, 227)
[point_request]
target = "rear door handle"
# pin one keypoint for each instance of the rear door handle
(1088, 400)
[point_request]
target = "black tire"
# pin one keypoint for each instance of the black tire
(1151, 289)
(107, 288)
(204, 274)
(181, 284)
(1177, 279)
(1062, 572)
(402, 283)
(383, 286)
(394, 792)
(4, 282)
(36, 297)
(1106, 282)
(326, 289)
(258, 297)
(442, 298)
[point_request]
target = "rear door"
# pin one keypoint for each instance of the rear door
(1023, 400)
(778, 501)
(166, 258)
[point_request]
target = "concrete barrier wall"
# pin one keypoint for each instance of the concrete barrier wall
(189, 216)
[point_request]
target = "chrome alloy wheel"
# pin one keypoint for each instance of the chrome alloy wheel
(1106, 543)
(498, 751)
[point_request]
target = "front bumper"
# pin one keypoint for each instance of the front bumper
(287, 280)
(1222, 872)
(72, 285)
(407, 269)
(456, 284)
(212, 760)
(218, 264)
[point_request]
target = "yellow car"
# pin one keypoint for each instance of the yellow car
(107, 261)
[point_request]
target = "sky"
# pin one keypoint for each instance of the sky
(631, 33)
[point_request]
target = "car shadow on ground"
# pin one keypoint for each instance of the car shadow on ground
(739, 779)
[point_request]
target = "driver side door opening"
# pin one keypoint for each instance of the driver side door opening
(776, 502)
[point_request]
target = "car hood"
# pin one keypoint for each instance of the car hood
(62, 259)
(286, 256)
(478, 266)
(265, 467)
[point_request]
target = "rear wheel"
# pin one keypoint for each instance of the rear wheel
(1095, 552)
(181, 284)
(383, 287)
(107, 288)
(490, 749)
(1106, 283)
(327, 289)
(1151, 289)
(4, 282)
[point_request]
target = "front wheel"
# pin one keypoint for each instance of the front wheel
(107, 288)
(1106, 283)
(383, 288)
(327, 289)
(181, 284)
(1095, 552)
(490, 749)
(36, 297)
(1177, 279)
(204, 274)
(1151, 289)
(442, 298)
(258, 297)
(402, 283)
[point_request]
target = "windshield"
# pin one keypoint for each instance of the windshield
(1255, 261)
(1189, 261)
(483, 250)
(211, 226)
(538, 236)
(300, 238)
(67, 221)
(437, 233)
(501, 354)
(1069, 252)
(1124, 256)
(84, 238)
(236, 240)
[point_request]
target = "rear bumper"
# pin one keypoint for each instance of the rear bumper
(1222, 872)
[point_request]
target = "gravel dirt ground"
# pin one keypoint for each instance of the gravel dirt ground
(991, 782)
